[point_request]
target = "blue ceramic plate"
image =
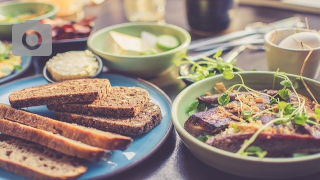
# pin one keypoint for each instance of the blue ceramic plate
(26, 62)
(141, 148)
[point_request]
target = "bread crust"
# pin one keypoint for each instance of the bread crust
(71, 91)
(93, 137)
(134, 126)
(53, 141)
(23, 169)
(119, 102)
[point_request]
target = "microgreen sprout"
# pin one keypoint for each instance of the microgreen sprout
(208, 67)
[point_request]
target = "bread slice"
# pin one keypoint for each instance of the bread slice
(142, 123)
(53, 141)
(83, 134)
(119, 102)
(37, 162)
(80, 90)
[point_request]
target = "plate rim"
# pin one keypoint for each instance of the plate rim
(6, 80)
(153, 150)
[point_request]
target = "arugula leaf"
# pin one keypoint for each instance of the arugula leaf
(282, 105)
(284, 93)
(204, 138)
(192, 106)
(255, 150)
(224, 99)
(228, 73)
(300, 119)
(286, 83)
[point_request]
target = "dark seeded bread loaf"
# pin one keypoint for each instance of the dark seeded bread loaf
(146, 120)
(80, 90)
(50, 140)
(119, 102)
(83, 134)
(37, 162)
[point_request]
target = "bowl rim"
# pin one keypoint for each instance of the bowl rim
(98, 51)
(182, 132)
(268, 34)
(46, 15)
(48, 77)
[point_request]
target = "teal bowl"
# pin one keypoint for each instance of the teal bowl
(139, 66)
(253, 167)
(10, 8)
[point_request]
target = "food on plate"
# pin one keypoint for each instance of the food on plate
(16, 16)
(119, 102)
(208, 67)
(53, 141)
(147, 44)
(85, 137)
(66, 29)
(311, 39)
(272, 123)
(72, 65)
(80, 90)
(142, 123)
(102, 139)
(37, 162)
(8, 62)
(167, 42)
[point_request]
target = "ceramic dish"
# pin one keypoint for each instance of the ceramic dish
(140, 66)
(26, 63)
(253, 167)
(23, 7)
(48, 77)
(142, 146)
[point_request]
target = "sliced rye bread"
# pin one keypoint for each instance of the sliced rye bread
(37, 162)
(90, 136)
(72, 91)
(146, 120)
(53, 141)
(119, 102)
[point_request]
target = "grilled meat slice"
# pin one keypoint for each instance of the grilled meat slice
(207, 122)
(277, 145)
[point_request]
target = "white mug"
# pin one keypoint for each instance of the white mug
(290, 60)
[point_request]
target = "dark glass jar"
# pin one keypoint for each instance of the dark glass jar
(209, 15)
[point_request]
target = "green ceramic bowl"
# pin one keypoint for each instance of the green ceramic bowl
(139, 66)
(17, 7)
(267, 168)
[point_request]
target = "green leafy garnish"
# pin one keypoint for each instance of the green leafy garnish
(284, 93)
(18, 67)
(288, 110)
(192, 106)
(255, 150)
(282, 105)
(273, 101)
(208, 67)
(204, 138)
(246, 114)
(228, 73)
(224, 99)
(300, 119)
(286, 83)
(317, 112)
(202, 107)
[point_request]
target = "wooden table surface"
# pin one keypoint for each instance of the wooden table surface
(173, 160)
